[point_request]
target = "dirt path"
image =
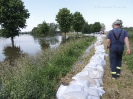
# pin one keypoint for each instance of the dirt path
(121, 88)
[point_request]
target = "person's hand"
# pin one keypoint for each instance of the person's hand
(107, 47)
(127, 52)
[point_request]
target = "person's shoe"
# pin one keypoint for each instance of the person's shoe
(118, 75)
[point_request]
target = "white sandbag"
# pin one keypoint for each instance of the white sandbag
(100, 51)
(97, 60)
(100, 62)
(76, 95)
(100, 68)
(106, 55)
(101, 91)
(83, 73)
(93, 97)
(93, 91)
(61, 90)
(60, 97)
(80, 82)
(101, 46)
(103, 62)
(99, 81)
(91, 81)
(74, 87)
(94, 73)
(100, 55)
(98, 43)
(87, 68)
(91, 64)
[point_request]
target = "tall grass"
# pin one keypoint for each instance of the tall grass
(38, 77)
(129, 59)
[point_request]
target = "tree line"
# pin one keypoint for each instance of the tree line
(91, 28)
(13, 15)
(128, 28)
(68, 22)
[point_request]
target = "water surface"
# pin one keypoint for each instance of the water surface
(26, 44)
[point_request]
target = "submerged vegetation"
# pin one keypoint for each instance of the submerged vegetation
(38, 77)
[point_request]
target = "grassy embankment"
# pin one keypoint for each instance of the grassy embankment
(121, 88)
(38, 77)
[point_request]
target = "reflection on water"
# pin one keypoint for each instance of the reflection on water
(26, 44)
(12, 53)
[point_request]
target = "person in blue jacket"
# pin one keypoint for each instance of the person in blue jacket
(116, 39)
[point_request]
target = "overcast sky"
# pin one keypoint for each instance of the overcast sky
(103, 11)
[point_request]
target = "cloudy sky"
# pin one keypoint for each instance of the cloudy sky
(103, 11)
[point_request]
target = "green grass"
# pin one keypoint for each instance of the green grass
(129, 59)
(38, 77)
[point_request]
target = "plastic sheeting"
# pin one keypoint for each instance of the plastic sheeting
(87, 83)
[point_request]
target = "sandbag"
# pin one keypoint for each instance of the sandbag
(91, 64)
(83, 73)
(80, 82)
(95, 91)
(99, 81)
(92, 91)
(94, 73)
(93, 97)
(100, 68)
(74, 87)
(91, 81)
(60, 97)
(101, 91)
(61, 90)
(75, 95)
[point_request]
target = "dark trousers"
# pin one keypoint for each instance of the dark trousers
(116, 51)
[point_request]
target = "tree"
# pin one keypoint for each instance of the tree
(41, 29)
(0, 32)
(128, 28)
(52, 27)
(71, 29)
(96, 27)
(34, 30)
(64, 18)
(103, 27)
(13, 16)
(86, 28)
(91, 28)
(78, 22)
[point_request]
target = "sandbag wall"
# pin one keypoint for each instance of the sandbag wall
(87, 83)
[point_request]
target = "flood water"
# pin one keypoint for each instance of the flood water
(26, 44)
